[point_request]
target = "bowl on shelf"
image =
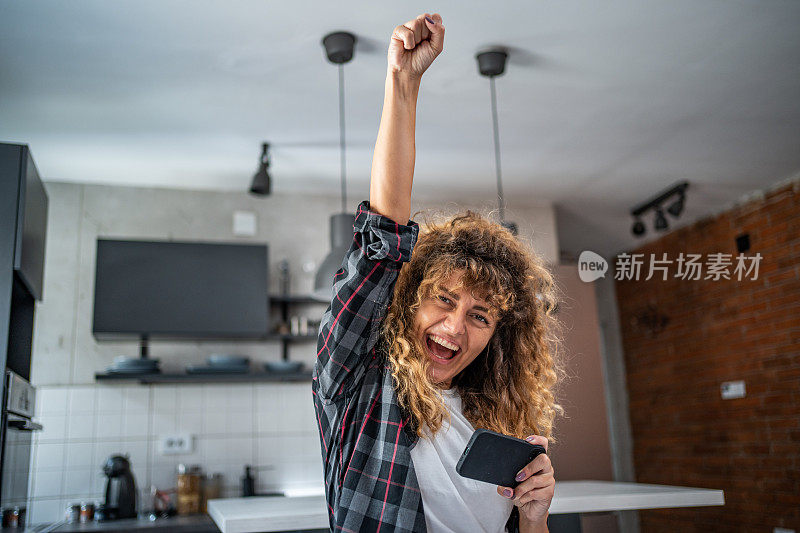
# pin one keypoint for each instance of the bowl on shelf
(283, 367)
(133, 365)
(228, 360)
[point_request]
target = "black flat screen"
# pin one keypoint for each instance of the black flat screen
(182, 290)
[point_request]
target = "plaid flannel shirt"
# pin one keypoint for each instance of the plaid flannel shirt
(365, 436)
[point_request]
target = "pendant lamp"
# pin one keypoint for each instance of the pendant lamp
(339, 47)
(492, 63)
(262, 183)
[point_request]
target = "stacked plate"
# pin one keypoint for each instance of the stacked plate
(283, 367)
(222, 364)
(130, 365)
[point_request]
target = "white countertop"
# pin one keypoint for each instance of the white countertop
(261, 514)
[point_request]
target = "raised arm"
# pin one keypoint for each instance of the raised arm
(413, 47)
(384, 237)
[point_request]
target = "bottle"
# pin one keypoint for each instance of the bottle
(248, 483)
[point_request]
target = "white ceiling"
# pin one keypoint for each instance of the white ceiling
(603, 104)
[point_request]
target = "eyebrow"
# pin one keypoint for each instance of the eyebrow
(455, 297)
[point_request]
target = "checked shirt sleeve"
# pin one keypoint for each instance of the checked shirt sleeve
(362, 292)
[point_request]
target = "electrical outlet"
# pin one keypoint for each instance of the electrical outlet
(732, 389)
(180, 443)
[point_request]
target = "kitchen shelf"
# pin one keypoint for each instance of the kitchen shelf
(283, 302)
(295, 299)
(203, 378)
(288, 337)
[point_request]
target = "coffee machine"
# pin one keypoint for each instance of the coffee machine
(120, 489)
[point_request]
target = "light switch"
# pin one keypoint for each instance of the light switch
(244, 223)
(732, 389)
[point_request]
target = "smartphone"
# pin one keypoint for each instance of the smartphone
(496, 458)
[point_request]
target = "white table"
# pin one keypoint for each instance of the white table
(262, 514)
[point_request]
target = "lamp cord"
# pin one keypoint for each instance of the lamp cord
(342, 161)
(500, 201)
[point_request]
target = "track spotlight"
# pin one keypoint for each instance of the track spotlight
(676, 207)
(661, 221)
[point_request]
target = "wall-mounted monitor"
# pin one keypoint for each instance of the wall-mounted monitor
(180, 290)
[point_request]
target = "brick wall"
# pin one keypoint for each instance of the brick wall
(684, 338)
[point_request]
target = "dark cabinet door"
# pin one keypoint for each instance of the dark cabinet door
(31, 227)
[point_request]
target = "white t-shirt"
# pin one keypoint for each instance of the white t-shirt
(453, 503)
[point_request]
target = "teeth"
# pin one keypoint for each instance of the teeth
(443, 342)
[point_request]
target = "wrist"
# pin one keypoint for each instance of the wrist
(402, 86)
(526, 526)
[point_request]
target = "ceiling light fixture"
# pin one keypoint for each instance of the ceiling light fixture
(339, 47)
(655, 203)
(660, 223)
(491, 64)
(676, 207)
(262, 183)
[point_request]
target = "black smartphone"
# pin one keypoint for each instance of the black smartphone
(496, 458)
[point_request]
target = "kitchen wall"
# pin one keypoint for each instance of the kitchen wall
(684, 338)
(260, 424)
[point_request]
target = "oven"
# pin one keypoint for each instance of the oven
(15, 448)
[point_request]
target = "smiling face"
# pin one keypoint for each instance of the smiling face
(454, 327)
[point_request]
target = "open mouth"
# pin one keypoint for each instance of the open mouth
(441, 349)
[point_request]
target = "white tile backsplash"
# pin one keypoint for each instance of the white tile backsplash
(54, 427)
(165, 398)
(78, 482)
(190, 399)
(50, 456)
(108, 425)
(80, 454)
(239, 423)
(80, 425)
(110, 399)
(47, 483)
(137, 399)
(82, 399)
(190, 422)
(249, 425)
(51, 400)
(135, 424)
(46, 510)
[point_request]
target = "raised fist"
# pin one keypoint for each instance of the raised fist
(415, 44)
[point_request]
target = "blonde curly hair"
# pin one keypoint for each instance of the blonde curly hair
(508, 388)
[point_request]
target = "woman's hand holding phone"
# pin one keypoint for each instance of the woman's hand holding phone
(536, 489)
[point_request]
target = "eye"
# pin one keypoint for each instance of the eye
(444, 299)
(482, 319)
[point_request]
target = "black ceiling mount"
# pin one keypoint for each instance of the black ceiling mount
(339, 46)
(492, 62)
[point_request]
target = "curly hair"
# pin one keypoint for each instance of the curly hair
(508, 388)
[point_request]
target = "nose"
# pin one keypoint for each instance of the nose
(455, 323)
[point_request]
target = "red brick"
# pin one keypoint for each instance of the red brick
(721, 331)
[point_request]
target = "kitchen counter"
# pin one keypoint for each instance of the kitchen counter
(252, 515)
(177, 524)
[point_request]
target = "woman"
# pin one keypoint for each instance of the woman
(414, 353)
